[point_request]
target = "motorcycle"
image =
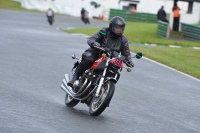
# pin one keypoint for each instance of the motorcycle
(86, 18)
(96, 86)
(50, 19)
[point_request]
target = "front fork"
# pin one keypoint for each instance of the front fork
(102, 79)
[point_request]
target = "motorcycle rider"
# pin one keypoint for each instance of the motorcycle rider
(86, 17)
(82, 14)
(50, 16)
(111, 37)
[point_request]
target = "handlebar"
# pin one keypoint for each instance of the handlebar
(107, 50)
(102, 49)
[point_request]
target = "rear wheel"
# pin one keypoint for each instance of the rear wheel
(69, 101)
(99, 104)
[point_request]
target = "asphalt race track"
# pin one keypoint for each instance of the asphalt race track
(34, 57)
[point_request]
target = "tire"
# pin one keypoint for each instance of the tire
(69, 101)
(106, 93)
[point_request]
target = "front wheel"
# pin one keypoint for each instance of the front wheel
(99, 104)
(69, 101)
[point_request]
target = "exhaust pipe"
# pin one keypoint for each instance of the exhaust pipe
(79, 95)
(82, 87)
(64, 89)
(67, 80)
(69, 90)
(80, 91)
(64, 82)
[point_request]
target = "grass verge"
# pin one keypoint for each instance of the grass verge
(13, 5)
(186, 60)
(8, 4)
(141, 33)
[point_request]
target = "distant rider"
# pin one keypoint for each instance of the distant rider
(50, 16)
(82, 14)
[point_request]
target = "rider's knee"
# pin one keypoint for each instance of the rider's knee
(88, 56)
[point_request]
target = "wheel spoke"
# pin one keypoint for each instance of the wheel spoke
(96, 103)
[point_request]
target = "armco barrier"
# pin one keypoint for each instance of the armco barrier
(162, 30)
(133, 17)
(190, 31)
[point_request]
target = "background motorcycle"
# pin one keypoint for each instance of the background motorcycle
(96, 86)
(86, 18)
(50, 19)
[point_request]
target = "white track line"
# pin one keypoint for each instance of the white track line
(172, 69)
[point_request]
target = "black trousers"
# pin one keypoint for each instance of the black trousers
(176, 24)
(88, 58)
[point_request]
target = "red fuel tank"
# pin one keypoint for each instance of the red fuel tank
(99, 62)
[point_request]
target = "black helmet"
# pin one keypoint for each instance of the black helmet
(117, 26)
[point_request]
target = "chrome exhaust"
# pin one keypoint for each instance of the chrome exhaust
(76, 94)
(88, 86)
(64, 82)
(80, 90)
(66, 90)
(83, 86)
(69, 90)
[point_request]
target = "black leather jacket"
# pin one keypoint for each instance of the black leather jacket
(119, 44)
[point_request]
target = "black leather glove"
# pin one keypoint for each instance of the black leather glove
(95, 44)
(130, 64)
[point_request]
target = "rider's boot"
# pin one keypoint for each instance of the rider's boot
(74, 78)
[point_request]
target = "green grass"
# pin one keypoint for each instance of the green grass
(13, 5)
(183, 59)
(8, 4)
(141, 33)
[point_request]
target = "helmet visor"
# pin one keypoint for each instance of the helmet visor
(118, 30)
